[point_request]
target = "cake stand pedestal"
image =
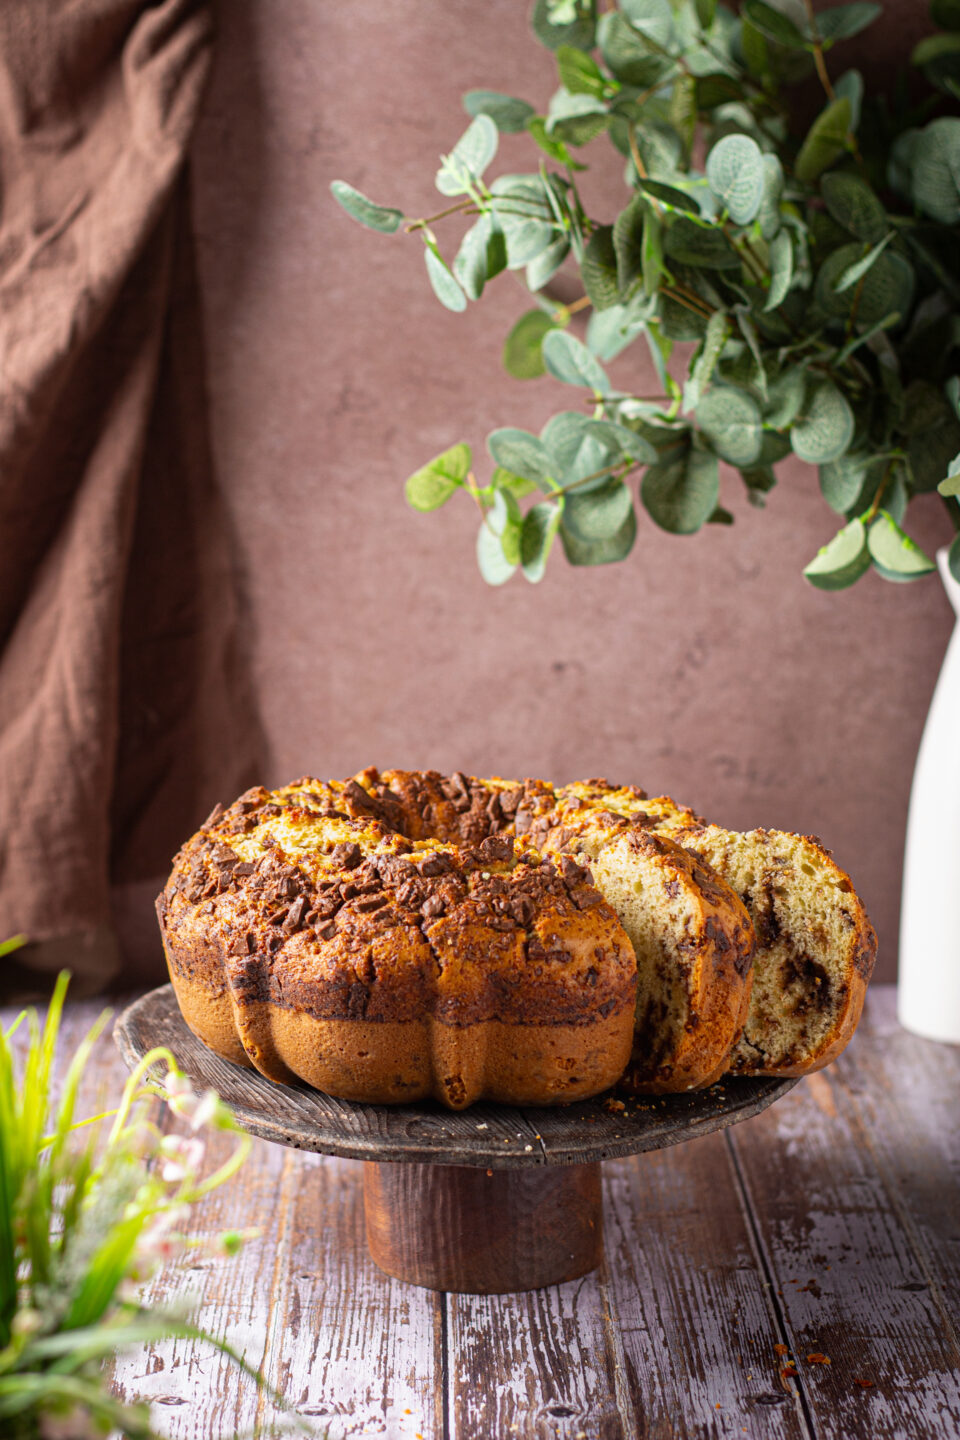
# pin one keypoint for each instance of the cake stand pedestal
(488, 1200)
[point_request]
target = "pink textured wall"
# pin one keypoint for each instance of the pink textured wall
(704, 667)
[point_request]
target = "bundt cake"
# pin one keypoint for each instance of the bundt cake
(815, 945)
(405, 934)
(312, 939)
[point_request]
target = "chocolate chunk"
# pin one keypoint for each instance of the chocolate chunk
(435, 865)
(246, 868)
(523, 821)
(572, 873)
(410, 893)
(347, 854)
(432, 907)
(359, 799)
(295, 915)
(347, 891)
(272, 810)
(522, 909)
(370, 902)
(496, 847)
(327, 932)
(213, 817)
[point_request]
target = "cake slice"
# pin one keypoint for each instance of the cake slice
(815, 945)
(691, 935)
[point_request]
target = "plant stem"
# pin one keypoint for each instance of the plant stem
(461, 207)
(818, 59)
(872, 512)
(582, 304)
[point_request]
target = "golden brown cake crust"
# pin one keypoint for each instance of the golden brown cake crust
(311, 907)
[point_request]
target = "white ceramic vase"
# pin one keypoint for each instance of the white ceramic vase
(929, 986)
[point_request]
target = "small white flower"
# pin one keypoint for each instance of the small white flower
(183, 1157)
(208, 1112)
(181, 1096)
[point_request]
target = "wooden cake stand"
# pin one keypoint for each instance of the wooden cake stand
(487, 1200)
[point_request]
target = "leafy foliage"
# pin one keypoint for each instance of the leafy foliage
(816, 276)
(89, 1209)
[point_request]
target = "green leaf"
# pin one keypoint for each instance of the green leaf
(824, 431)
(887, 284)
(547, 263)
(508, 114)
(680, 493)
(576, 119)
(495, 568)
(628, 243)
(611, 331)
(670, 197)
(850, 87)
(445, 287)
(702, 246)
(825, 142)
(599, 269)
(840, 22)
(431, 486)
(841, 562)
(600, 552)
(652, 255)
(731, 421)
(717, 88)
(653, 19)
(736, 176)
(953, 558)
(600, 514)
(935, 170)
(579, 72)
(482, 255)
(853, 205)
(555, 25)
(773, 25)
(463, 167)
(569, 360)
(540, 527)
(768, 215)
(841, 481)
(781, 270)
(785, 395)
(718, 329)
(521, 453)
(524, 212)
(951, 485)
(620, 442)
(849, 277)
(627, 55)
(518, 486)
(375, 217)
(522, 356)
(506, 521)
(896, 556)
(551, 145)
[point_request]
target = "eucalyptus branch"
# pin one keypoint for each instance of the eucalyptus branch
(806, 360)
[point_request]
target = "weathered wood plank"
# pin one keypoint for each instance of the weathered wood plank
(535, 1365)
(194, 1390)
(845, 1271)
(905, 1093)
(353, 1350)
(688, 1301)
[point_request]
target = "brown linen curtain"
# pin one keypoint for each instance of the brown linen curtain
(122, 710)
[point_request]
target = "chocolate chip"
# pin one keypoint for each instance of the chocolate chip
(295, 915)
(435, 865)
(348, 854)
(432, 907)
(496, 847)
(522, 909)
(247, 868)
(327, 932)
(370, 902)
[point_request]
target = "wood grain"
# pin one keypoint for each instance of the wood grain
(852, 1183)
(491, 1136)
(846, 1274)
(486, 1232)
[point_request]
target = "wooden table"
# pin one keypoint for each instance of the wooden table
(829, 1225)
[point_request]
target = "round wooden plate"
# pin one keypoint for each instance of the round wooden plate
(472, 1205)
